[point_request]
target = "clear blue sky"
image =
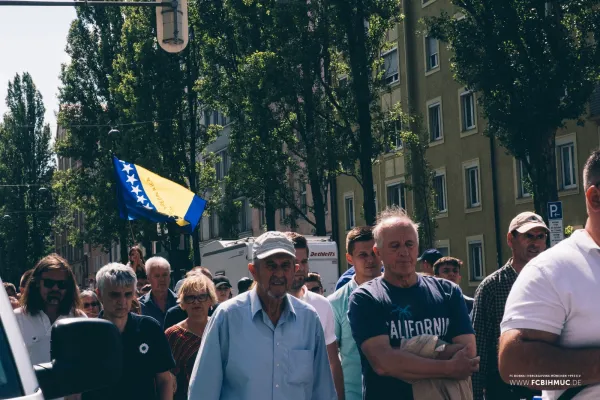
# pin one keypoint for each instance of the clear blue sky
(33, 39)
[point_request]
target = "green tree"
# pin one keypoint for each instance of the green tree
(25, 175)
(358, 37)
(533, 65)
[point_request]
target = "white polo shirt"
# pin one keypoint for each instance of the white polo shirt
(36, 330)
(321, 304)
(557, 292)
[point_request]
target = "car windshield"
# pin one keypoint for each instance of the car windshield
(10, 384)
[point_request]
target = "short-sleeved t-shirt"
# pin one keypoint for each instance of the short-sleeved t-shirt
(146, 352)
(432, 306)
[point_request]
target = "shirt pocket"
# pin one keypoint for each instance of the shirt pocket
(300, 367)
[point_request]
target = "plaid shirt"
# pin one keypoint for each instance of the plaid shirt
(490, 299)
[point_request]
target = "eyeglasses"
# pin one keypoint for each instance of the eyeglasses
(316, 289)
(92, 304)
(50, 283)
(189, 299)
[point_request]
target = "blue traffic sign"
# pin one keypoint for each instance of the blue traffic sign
(555, 210)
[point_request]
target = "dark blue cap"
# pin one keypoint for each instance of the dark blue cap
(431, 256)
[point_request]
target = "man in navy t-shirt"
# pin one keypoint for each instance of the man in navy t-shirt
(403, 304)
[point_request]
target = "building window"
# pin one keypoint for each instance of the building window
(476, 271)
(222, 165)
(434, 112)
(444, 251)
(522, 180)
(439, 187)
(349, 208)
(390, 64)
(303, 204)
(568, 168)
(396, 195)
(431, 53)
(472, 186)
(467, 107)
(282, 215)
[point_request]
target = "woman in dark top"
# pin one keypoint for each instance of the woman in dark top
(196, 296)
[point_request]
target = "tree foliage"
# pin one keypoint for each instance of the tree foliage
(533, 65)
(26, 203)
(119, 78)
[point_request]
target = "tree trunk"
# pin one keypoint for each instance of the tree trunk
(355, 32)
(269, 211)
(421, 187)
(543, 174)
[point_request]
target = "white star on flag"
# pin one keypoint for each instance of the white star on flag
(127, 168)
(141, 199)
(131, 179)
(136, 190)
(146, 206)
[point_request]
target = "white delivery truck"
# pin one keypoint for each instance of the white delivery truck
(231, 258)
(76, 366)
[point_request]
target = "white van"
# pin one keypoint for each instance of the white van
(77, 367)
(231, 258)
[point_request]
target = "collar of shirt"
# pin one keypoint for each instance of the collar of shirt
(256, 306)
(584, 241)
(147, 299)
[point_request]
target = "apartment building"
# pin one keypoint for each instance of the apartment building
(474, 214)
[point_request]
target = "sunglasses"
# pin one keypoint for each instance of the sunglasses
(50, 283)
(90, 305)
(316, 289)
(192, 299)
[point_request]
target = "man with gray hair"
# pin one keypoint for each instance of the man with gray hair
(147, 358)
(160, 298)
(264, 343)
(401, 305)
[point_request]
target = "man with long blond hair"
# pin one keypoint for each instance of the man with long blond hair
(49, 295)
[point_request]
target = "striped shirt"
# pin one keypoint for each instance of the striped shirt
(184, 346)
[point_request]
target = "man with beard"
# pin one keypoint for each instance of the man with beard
(264, 344)
(527, 235)
(367, 265)
(49, 294)
(321, 304)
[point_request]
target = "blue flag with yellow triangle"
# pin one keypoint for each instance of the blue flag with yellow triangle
(143, 194)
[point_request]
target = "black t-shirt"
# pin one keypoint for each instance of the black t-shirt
(432, 306)
(146, 353)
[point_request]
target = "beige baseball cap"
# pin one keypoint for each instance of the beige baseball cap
(270, 243)
(526, 221)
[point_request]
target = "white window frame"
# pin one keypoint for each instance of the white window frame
(443, 244)
(349, 224)
(519, 175)
(561, 143)
(395, 182)
(442, 172)
(464, 129)
(470, 240)
(396, 76)
(467, 189)
(437, 102)
(430, 69)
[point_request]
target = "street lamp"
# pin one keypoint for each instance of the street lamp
(172, 26)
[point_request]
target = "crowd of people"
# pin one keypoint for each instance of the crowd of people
(388, 331)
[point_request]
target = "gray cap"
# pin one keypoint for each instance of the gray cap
(270, 243)
(526, 221)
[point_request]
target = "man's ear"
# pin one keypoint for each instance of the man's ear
(252, 269)
(349, 259)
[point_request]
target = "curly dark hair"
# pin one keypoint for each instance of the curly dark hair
(31, 299)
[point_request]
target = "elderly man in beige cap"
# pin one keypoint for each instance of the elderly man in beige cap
(264, 343)
(527, 237)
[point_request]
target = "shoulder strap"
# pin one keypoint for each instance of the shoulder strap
(571, 392)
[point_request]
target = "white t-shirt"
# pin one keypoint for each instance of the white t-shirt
(36, 330)
(557, 292)
(321, 304)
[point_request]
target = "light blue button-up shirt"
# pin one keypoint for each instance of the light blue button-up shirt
(243, 356)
